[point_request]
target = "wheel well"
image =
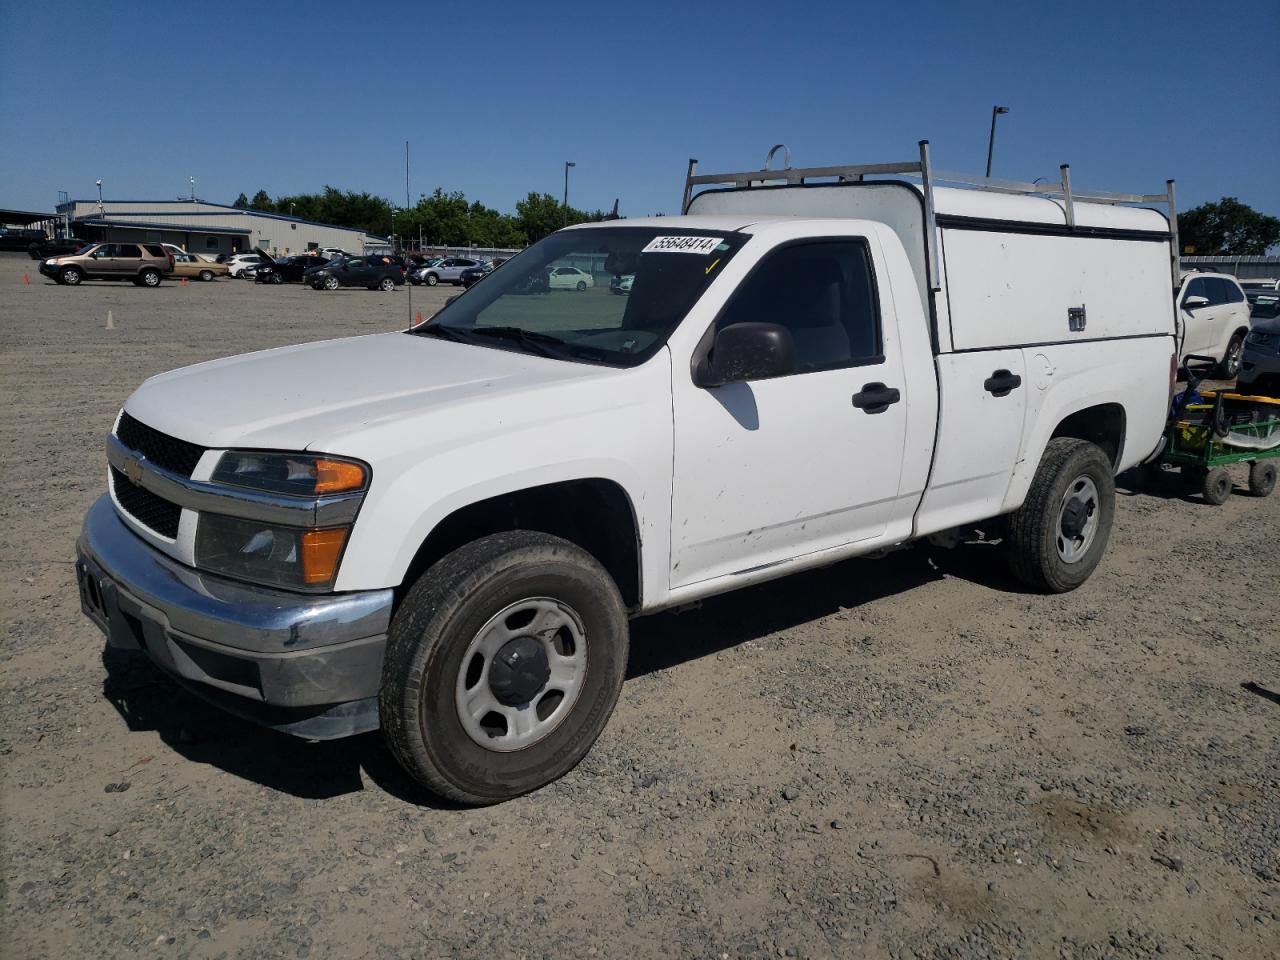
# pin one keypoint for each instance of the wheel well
(595, 514)
(1102, 425)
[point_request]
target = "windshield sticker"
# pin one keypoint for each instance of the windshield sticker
(702, 245)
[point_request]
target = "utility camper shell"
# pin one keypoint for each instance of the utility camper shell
(1006, 264)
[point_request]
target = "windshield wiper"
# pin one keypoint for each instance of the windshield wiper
(540, 343)
(441, 331)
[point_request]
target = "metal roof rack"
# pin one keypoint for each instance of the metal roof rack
(923, 169)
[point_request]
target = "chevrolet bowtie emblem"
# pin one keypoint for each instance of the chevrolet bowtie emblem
(133, 470)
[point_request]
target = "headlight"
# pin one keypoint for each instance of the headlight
(277, 554)
(1260, 337)
(269, 554)
(293, 474)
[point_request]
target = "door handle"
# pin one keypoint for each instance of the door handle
(876, 398)
(1001, 382)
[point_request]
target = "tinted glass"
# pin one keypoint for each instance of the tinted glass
(824, 293)
(128, 250)
(158, 251)
(1197, 288)
(1233, 291)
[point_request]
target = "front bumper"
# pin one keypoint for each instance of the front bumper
(305, 665)
(1259, 364)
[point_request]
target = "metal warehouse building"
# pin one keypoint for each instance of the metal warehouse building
(201, 227)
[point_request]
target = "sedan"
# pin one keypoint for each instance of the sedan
(622, 285)
(194, 268)
(571, 278)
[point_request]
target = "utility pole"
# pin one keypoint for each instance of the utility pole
(991, 141)
(193, 188)
(567, 165)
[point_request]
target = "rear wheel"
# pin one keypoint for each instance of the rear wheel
(1216, 486)
(502, 666)
(1230, 365)
(71, 276)
(1262, 477)
(206, 275)
(1058, 535)
(149, 278)
(386, 285)
(582, 286)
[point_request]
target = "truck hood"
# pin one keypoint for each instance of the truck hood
(300, 397)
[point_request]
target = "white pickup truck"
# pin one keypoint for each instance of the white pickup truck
(442, 532)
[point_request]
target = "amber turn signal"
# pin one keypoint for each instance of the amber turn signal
(320, 552)
(338, 476)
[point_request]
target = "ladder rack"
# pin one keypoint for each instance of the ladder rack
(923, 169)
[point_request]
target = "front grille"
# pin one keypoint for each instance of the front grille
(153, 512)
(165, 451)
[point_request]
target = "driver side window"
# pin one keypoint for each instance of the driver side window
(824, 293)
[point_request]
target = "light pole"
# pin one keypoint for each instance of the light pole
(193, 188)
(393, 229)
(991, 141)
(567, 165)
(101, 211)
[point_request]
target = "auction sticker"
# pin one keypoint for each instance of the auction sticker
(703, 245)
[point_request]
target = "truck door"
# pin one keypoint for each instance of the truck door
(774, 469)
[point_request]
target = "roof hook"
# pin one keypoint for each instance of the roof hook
(786, 156)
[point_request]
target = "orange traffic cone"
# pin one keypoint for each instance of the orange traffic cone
(182, 282)
(26, 280)
(417, 318)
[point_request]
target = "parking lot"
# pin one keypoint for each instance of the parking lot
(904, 757)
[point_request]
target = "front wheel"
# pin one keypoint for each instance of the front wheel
(430, 279)
(71, 276)
(1229, 368)
(331, 283)
(502, 666)
(1058, 535)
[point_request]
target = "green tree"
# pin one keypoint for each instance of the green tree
(261, 201)
(242, 202)
(1227, 228)
(539, 214)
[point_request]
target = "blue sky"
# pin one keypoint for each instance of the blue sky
(494, 97)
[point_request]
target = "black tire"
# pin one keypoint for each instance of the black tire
(71, 276)
(1036, 541)
(206, 275)
(1216, 486)
(1229, 368)
(445, 609)
(582, 286)
(430, 279)
(149, 278)
(1262, 477)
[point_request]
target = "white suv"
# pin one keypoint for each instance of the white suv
(241, 262)
(1214, 315)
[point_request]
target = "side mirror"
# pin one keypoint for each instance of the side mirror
(749, 351)
(1194, 303)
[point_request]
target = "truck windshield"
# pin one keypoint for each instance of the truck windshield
(607, 295)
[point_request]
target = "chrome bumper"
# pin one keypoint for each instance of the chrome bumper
(306, 665)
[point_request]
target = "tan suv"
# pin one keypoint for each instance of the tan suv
(146, 264)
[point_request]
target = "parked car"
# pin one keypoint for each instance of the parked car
(1214, 314)
(242, 262)
(193, 267)
(448, 270)
(372, 272)
(472, 275)
(43, 246)
(146, 264)
(288, 270)
(503, 486)
(571, 278)
(1260, 361)
(621, 284)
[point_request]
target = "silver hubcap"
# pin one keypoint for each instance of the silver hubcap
(1077, 519)
(553, 632)
(150, 279)
(387, 284)
(331, 283)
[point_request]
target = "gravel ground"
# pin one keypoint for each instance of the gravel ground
(905, 757)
